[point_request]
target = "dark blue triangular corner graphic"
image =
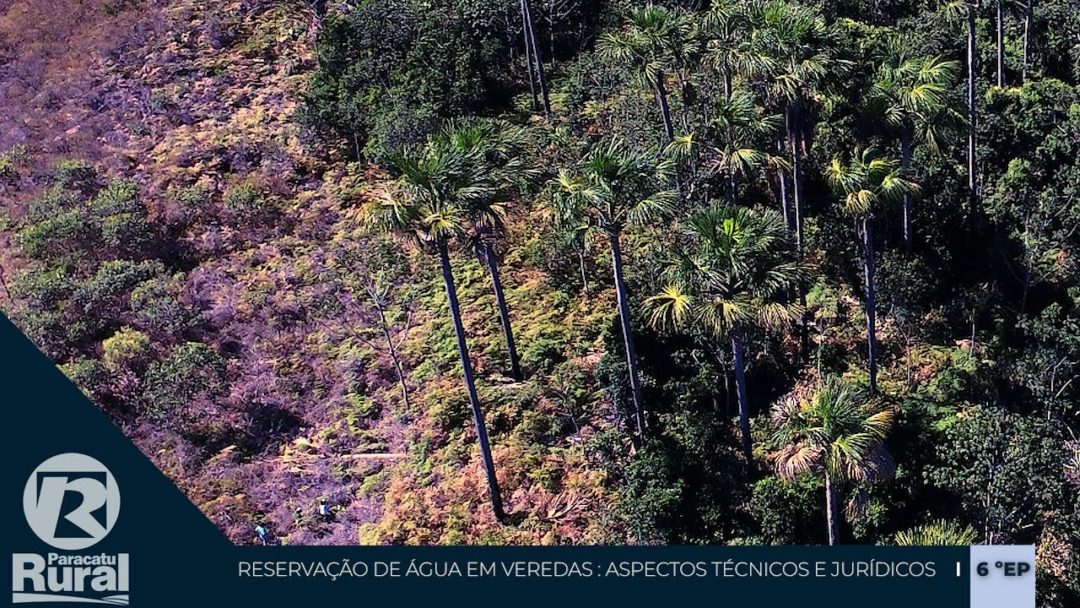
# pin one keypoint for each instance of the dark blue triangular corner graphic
(45, 415)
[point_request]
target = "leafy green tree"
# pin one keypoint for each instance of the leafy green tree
(836, 431)
(1005, 472)
(867, 183)
(390, 71)
(430, 204)
(612, 189)
(732, 274)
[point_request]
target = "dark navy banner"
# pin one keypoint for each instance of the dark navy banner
(88, 519)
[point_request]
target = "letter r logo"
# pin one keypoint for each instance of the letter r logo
(71, 501)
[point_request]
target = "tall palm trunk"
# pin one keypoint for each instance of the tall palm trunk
(384, 325)
(470, 383)
(785, 206)
(1000, 27)
(905, 163)
(832, 512)
(871, 301)
(537, 61)
(793, 130)
(1029, 35)
(529, 51)
(744, 402)
(662, 100)
(972, 59)
(628, 332)
(794, 133)
(504, 310)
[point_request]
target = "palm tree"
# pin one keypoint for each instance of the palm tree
(653, 41)
(790, 53)
(615, 188)
(941, 533)
(725, 27)
(835, 431)
(734, 144)
(968, 10)
(533, 60)
(745, 129)
(1029, 35)
(731, 275)
(913, 95)
(867, 183)
(999, 31)
(429, 204)
(494, 150)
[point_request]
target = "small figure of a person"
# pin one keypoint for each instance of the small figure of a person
(298, 517)
(261, 532)
(324, 510)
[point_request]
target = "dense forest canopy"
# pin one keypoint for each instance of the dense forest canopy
(578, 271)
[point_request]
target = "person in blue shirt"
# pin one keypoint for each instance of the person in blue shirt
(261, 532)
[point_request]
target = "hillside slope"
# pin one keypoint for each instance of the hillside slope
(196, 106)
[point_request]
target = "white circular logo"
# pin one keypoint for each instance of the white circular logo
(71, 501)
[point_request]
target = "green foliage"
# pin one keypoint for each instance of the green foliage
(654, 494)
(88, 374)
(788, 513)
(128, 348)
(938, 533)
(246, 201)
(158, 305)
(390, 70)
(1015, 461)
(192, 372)
(74, 174)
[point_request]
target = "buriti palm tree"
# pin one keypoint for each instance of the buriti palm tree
(743, 131)
(866, 184)
(912, 93)
(790, 53)
(534, 60)
(653, 41)
(940, 533)
(493, 149)
(836, 431)
(725, 28)
(731, 276)
(734, 146)
(968, 11)
(429, 204)
(614, 188)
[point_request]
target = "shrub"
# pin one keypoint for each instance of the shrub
(157, 306)
(89, 375)
(127, 349)
(191, 372)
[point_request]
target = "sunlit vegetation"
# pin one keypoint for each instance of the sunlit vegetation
(733, 272)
